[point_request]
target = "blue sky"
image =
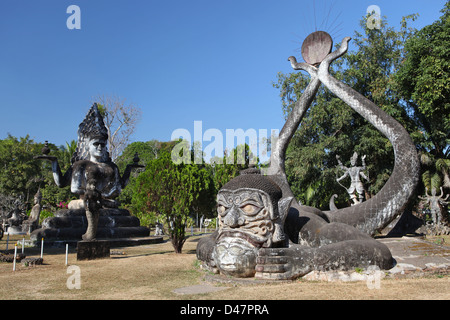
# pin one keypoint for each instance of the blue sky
(179, 61)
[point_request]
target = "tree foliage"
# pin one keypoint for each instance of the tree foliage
(423, 81)
(20, 173)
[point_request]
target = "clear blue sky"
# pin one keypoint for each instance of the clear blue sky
(179, 61)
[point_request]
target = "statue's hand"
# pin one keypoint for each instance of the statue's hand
(302, 66)
(284, 263)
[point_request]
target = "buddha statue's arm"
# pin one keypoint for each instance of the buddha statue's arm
(126, 174)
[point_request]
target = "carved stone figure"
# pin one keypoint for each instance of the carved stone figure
(92, 175)
(33, 221)
(356, 189)
(264, 232)
(436, 204)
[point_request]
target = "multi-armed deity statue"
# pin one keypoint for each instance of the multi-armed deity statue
(265, 233)
(96, 179)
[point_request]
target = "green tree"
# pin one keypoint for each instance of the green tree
(172, 191)
(147, 151)
(20, 173)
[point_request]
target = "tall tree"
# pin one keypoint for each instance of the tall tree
(172, 192)
(423, 81)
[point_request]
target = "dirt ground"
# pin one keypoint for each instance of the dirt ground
(155, 272)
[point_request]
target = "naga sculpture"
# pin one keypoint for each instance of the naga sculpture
(265, 233)
(356, 189)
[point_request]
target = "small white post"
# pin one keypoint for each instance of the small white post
(23, 245)
(42, 247)
(15, 255)
(67, 252)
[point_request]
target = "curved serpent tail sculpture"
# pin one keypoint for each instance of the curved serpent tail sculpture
(377, 212)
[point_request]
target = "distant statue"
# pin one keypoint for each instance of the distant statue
(354, 172)
(92, 174)
(436, 204)
(33, 221)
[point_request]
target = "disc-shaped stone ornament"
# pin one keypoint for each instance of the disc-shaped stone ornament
(316, 47)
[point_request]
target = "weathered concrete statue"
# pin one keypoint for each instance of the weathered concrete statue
(92, 174)
(356, 189)
(264, 232)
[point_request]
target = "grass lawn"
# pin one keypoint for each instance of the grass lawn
(152, 272)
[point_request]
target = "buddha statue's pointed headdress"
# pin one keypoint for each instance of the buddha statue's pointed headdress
(93, 125)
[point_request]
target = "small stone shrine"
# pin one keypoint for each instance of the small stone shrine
(96, 179)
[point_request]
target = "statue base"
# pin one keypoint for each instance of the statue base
(93, 249)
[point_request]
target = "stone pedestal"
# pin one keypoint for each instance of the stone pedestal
(93, 249)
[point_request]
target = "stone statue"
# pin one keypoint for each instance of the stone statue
(250, 211)
(92, 174)
(436, 204)
(356, 189)
(264, 232)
